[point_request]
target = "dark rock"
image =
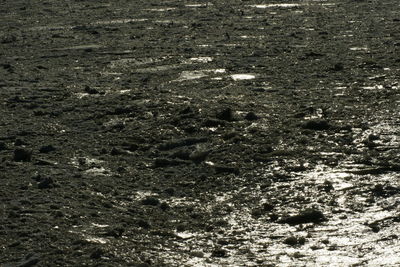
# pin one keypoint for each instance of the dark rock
(181, 154)
(47, 149)
(97, 254)
(170, 191)
(164, 206)
(316, 125)
(213, 123)
(219, 253)
(3, 146)
(267, 206)
(226, 169)
(225, 114)
(163, 162)
(183, 142)
(22, 154)
(115, 232)
(90, 90)
(19, 142)
(338, 67)
(150, 201)
(46, 182)
(306, 216)
(294, 241)
(251, 116)
(116, 152)
(143, 224)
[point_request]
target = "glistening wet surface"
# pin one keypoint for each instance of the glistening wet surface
(199, 133)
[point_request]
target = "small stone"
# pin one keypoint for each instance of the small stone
(3, 146)
(19, 142)
(294, 241)
(47, 149)
(90, 90)
(164, 206)
(219, 253)
(22, 154)
(306, 216)
(226, 169)
(96, 254)
(143, 224)
(197, 254)
(225, 114)
(317, 125)
(251, 116)
(150, 201)
(47, 182)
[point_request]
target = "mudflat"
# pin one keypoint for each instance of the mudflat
(195, 133)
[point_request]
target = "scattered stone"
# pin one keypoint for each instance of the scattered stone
(115, 232)
(90, 90)
(338, 67)
(197, 254)
(251, 116)
(226, 169)
(46, 183)
(316, 125)
(295, 241)
(213, 123)
(116, 152)
(19, 142)
(3, 146)
(22, 154)
(150, 201)
(306, 216)
(163, 162)
(97, 254)
(164, 206)
(219, 253)
(47, 149)
(143, 224)
(225, 114)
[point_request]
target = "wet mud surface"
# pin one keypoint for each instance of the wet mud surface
(194, 133)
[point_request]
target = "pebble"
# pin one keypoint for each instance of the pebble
(46, 182)
(3, 146)
(306, 216)
(294, 241)
(47, 149)
(219, 253)
(317, 125)
(22, 154)
(225, 114)
(150, 201)
(90, 90)
(251, 116)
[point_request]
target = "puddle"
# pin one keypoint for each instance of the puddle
(117, 21)
(161, 9)
(275, 5)
(291, 5)
(238, 77)
(359, 48)
(80, 47)
(201, 59)
(198, 74)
